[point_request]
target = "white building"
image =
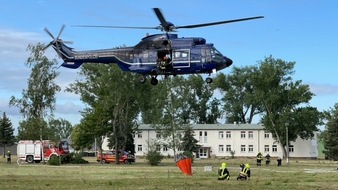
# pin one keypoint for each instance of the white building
(220, 139)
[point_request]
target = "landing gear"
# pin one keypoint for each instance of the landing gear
(153, 81)
(208, 80)
(143, 79)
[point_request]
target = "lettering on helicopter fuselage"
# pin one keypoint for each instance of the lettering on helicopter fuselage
(84, 56)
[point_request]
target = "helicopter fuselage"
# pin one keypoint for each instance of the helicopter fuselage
(187, 56)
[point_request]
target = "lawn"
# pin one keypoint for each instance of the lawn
(299, 174)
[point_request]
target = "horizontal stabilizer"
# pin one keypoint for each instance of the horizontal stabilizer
(71, 65)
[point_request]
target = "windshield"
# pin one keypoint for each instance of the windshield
(215, 52)
(216, 55)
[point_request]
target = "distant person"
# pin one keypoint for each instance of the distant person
(223, 172)
(279, 161)
(259, 159)
(245, 172)
(267, 159)
(9, 155)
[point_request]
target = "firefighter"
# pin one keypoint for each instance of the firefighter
(245, 172)
(259, 159)
(9, 159)
(267, 157)
(223, 172)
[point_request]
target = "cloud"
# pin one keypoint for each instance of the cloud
(324, 89)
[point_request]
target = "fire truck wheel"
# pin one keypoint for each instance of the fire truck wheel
(30, 159)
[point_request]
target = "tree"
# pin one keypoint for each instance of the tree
(112, 99)
(330, 134)
(60, 129)
(38, 101)
(240, 104)
(189, 143)
(6, 133)
(282, 100)
(175, 103)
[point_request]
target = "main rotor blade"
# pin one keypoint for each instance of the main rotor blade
(160, 17)
(49, 33)
(217, 23)
(129, 27)
(62, 28)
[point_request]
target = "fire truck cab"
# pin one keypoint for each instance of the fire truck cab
(36, 151)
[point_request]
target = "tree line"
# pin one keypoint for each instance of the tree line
(116, 103)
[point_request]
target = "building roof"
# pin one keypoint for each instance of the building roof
(214, 127)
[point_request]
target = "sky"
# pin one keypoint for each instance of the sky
(302, 31)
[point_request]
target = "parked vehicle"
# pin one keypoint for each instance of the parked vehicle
(36, 151)
(109, 156)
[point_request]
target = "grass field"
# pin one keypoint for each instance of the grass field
(299, 174)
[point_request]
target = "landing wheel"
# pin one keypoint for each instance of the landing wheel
(154, 81)
(142, 79)
(208, 80)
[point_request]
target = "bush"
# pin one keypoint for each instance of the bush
(154, 157)
(54, 160)
(72, 158)
(77, 159)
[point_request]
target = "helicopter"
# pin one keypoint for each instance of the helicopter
(157, 54)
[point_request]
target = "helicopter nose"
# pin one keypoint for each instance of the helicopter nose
(228, 61)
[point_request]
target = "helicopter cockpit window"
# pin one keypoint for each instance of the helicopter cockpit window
(215, 52)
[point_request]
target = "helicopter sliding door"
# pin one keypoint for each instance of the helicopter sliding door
(181, 58)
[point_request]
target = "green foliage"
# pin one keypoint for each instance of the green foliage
(7, 137)
(267, 89)
(54, 160)
(330, 135)
(239, 99)
(38, 100)
(112, 105)
(60, 128)
(153, 157)
(76, 158)
(282, 99)
(188, 142)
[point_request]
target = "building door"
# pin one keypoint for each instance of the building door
(203, 152)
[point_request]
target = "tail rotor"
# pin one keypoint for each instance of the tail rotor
(56, 43)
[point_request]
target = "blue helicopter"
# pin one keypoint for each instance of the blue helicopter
(159, 54)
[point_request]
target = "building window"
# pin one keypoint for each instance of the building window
(250, 134)
(158, 147)
(250, 148)
(165, 148)
(266, 148)
(242, 148)
(266, 135)
(139, 148)
(220, 134)
(228, 134)
(139, 135)
(228, 148)
(274, 148)
(201, 136)
(205, 136)
(242, 134)
(158, 135)
(291, 148)
(220, 148)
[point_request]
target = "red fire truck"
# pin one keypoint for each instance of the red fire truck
(36, 151)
